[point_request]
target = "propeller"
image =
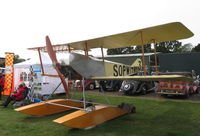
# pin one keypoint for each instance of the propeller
(56, 65)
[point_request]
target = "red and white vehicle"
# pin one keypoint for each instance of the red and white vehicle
(184, 88)
(89, 84)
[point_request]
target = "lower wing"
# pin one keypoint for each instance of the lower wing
(146, 78)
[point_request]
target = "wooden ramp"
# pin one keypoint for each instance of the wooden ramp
(84, 119)
(48, 107)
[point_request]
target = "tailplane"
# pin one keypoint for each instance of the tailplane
(137, 63)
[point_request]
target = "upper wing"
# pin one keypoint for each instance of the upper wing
(147, 78)
(160, 33)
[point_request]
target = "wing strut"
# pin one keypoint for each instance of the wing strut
(102, 53)
(143, 60)
(41, 64)
(155, 56)
(56, 65)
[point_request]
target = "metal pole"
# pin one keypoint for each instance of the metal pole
(83, 85)
(72, 107)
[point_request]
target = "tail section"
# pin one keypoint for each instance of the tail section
(91, 67)
(137, 63)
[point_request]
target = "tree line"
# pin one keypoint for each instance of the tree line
(164, 47)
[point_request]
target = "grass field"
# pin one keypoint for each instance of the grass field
(153, 118)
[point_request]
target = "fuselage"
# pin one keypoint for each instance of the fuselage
(88, 67)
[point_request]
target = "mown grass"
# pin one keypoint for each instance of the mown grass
(154, 117)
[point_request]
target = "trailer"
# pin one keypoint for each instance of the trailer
(182, 87)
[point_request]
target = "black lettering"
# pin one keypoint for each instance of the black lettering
(120, 70)
(115, 70)
(124, 69)
(127, 70)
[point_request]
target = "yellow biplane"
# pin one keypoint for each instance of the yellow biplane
(86, 67)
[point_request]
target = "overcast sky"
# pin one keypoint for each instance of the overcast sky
(25, 23)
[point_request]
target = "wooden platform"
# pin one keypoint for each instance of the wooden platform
(83, 119)
(43, 109)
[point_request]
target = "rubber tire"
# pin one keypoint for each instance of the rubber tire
(127, 88)
(91, 87)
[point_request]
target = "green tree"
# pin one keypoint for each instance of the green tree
(185, 48)
(129, 50)
(116, 51)
(196, 48)
(138, 49)
(168, 47)
(17, 59)
(164, 47)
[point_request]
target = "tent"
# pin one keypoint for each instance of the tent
(42, 84)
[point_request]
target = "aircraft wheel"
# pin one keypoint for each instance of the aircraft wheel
(91, 87)
(127, 87)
